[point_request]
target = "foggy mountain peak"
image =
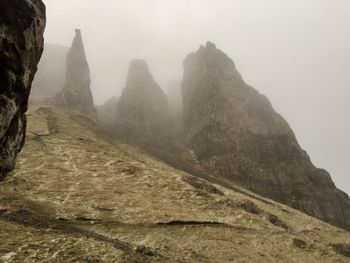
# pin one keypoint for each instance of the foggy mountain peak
(149, 173)
(210, 45)
(78, 32)
(139, 73)
(77, 51)
(235, 132)
(76, 93)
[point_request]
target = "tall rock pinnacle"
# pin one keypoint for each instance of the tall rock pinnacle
(235, 132)
(76, 94)
(142, 108)
(22, 25)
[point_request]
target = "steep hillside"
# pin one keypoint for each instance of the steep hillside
(234, 131)
(78, 196)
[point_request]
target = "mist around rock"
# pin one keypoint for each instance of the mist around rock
(201, 170)
(76, 93)
(51, 74)
(214, 120)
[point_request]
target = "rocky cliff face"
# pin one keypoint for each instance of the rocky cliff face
(142, 108)
(50, 76)
(234, 131)
(76, 94)
(22, 26)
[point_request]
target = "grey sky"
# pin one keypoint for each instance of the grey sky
(297, 52)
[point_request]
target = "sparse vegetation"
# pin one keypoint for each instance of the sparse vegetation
(91, 211)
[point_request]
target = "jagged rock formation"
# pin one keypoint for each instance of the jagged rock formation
(79, 196)
(22, 25)
(76, 94)
(50, 76)
(234, 131)
(142, 108)
(107, 113)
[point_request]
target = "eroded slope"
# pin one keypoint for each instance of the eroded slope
(78, 196)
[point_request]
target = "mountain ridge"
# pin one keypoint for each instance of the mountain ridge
(235, 132)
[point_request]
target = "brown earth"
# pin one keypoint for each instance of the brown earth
(78, 196)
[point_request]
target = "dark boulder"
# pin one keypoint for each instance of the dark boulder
(22, 25)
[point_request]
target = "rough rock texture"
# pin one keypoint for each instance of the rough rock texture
(22, 25)
(234, 131)
(142, 108)
(76, 94)
(78, 196)
(50, 76)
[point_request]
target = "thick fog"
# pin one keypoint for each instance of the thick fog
(297, 52)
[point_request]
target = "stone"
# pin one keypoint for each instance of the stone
(76, 94)
(142, 109)
(234, 132)
(22, 25)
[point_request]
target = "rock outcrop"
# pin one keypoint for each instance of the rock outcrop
(76, 94)
(142, 108)
(50, 76)
(22, 25)
(234, 132)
